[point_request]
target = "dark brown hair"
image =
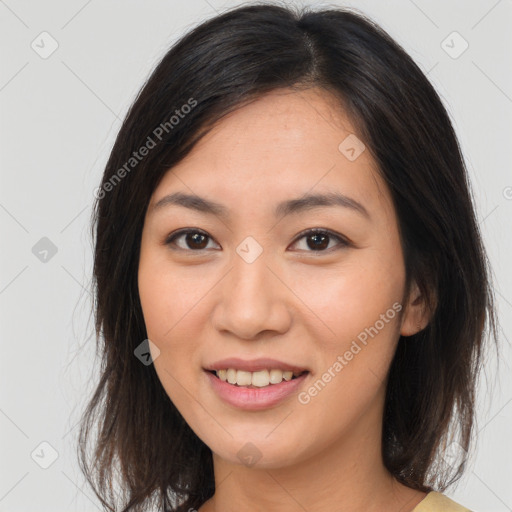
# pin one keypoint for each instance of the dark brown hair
(234, 58)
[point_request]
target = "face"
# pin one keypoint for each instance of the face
(312, 285)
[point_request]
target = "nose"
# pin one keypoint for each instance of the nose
(252, 299)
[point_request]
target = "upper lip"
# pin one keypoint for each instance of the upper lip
(254, 365)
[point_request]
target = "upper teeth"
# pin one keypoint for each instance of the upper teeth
(259, 379)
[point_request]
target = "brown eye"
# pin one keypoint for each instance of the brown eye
(194, 240)
(320, 240)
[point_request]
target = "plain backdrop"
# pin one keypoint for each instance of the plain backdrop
(70, 69)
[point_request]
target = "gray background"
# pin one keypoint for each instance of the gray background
(59, 118)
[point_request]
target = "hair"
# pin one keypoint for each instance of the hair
(224, 63)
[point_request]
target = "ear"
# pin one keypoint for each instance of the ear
(416, 316)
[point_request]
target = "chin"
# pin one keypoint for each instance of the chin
(258, 451)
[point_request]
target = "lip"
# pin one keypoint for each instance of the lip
(255, 399)
(254, 365)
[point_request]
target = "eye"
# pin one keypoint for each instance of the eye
(194, 239)
(318, 240)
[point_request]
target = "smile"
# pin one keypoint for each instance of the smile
(254, 398)
(259, 379)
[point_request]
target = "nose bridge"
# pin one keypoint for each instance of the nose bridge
(252, 299)
(251, 273)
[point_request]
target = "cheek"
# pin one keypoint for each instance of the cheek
(175, 308)
(360, 303)
(168, 301)
(156, 302)
(363, 311)
(168, 297)
(352, 297)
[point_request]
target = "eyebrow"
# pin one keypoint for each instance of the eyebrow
(283, 209)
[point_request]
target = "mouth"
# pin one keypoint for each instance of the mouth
(258, 379)
(257, 390)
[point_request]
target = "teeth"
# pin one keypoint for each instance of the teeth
(258, 379)
(231, 376)
(243, 378)
(261, 379)
(276, 376)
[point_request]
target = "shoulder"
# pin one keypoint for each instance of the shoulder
(437, 502)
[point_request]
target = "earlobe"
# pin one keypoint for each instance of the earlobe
(416, 316)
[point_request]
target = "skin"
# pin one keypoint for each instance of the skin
(293, 303)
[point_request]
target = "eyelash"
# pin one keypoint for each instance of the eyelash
(342, 242)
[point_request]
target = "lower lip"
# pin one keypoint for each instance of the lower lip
(255, 399)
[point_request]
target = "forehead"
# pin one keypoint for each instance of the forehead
(281, 125)
(284, 144)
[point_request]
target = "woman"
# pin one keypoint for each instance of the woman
(291, 288)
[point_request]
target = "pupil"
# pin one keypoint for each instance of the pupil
(324, 242)
(196, 239)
